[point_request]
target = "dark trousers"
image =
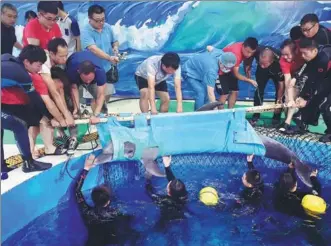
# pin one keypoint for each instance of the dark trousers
(262, 77)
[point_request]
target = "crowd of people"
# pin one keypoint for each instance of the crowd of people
(40, 90)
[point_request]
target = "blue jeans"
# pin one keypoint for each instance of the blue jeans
(200, 92)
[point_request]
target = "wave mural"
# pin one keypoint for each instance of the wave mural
(187, 27)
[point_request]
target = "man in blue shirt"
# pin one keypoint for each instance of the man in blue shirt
(85, 69)
(201, 73)
(97, 36)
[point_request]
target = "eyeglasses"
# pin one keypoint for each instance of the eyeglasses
(50, 18)
(308, 29)
(98, 21)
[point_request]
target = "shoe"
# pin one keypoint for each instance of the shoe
(284, 127)
(73, 144)
(297, 130)
(325, 138)
(64, 141)
(35, 166)
(4, 175)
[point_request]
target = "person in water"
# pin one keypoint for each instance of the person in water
(252, 182)
(106, 225)
(288, 199)
(250, 197)
(173, 204)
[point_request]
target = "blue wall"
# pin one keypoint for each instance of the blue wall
(146, 28)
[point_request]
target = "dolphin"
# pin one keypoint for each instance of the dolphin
(209, 106)
(274, 150)
(148, 158)
(279, 152)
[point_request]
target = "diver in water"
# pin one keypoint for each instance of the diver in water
(106, 225)
(251, 196)
(173, 204)
(254, 186)
(289, 200)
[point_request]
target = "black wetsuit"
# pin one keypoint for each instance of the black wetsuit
(105, 225)
(290, 203)
(316, 89)
(263, 75)
(171, 209)
(250, 198)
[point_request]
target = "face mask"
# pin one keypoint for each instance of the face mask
(224, 69)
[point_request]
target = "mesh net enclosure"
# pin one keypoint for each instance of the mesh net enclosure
(305, 146)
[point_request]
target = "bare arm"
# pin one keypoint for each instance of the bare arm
(211, 93)
(75, 97)
(242, 77)
(98, 52)
(151, 94)
(179, 97)
(289, 89)
(18, 46)
(33, 41)
(248, 66)
(78, 43)
(50, 105)
(58, 99)
(115, 46)
(100, 99)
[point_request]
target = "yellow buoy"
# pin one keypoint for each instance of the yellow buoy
(314, 204)
(208, 196)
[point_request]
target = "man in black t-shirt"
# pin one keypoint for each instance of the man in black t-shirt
(311, 29)
(267, 59)
(8, 37)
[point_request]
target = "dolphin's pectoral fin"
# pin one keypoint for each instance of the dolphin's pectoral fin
(149, 160)
(209, 106)
(303, 171)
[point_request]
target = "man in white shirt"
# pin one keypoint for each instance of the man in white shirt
(151, 76)
(69, 29)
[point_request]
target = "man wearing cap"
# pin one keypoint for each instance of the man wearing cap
(228, 86)
(85, 69)
(201, 73)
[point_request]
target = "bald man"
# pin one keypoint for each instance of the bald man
(267, 59)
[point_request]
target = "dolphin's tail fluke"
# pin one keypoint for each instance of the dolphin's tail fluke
(303, 171)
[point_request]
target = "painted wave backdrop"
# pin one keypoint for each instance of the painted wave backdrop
(187, 27)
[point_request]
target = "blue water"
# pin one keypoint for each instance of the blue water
(207, 226)
(146, 28)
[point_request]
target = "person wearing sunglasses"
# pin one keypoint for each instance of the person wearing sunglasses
(42, 29)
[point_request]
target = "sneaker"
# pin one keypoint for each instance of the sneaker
(284, 127)
(73, 144)
(297, 129)
(325, 138)
(64, 141)
(35, 166)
